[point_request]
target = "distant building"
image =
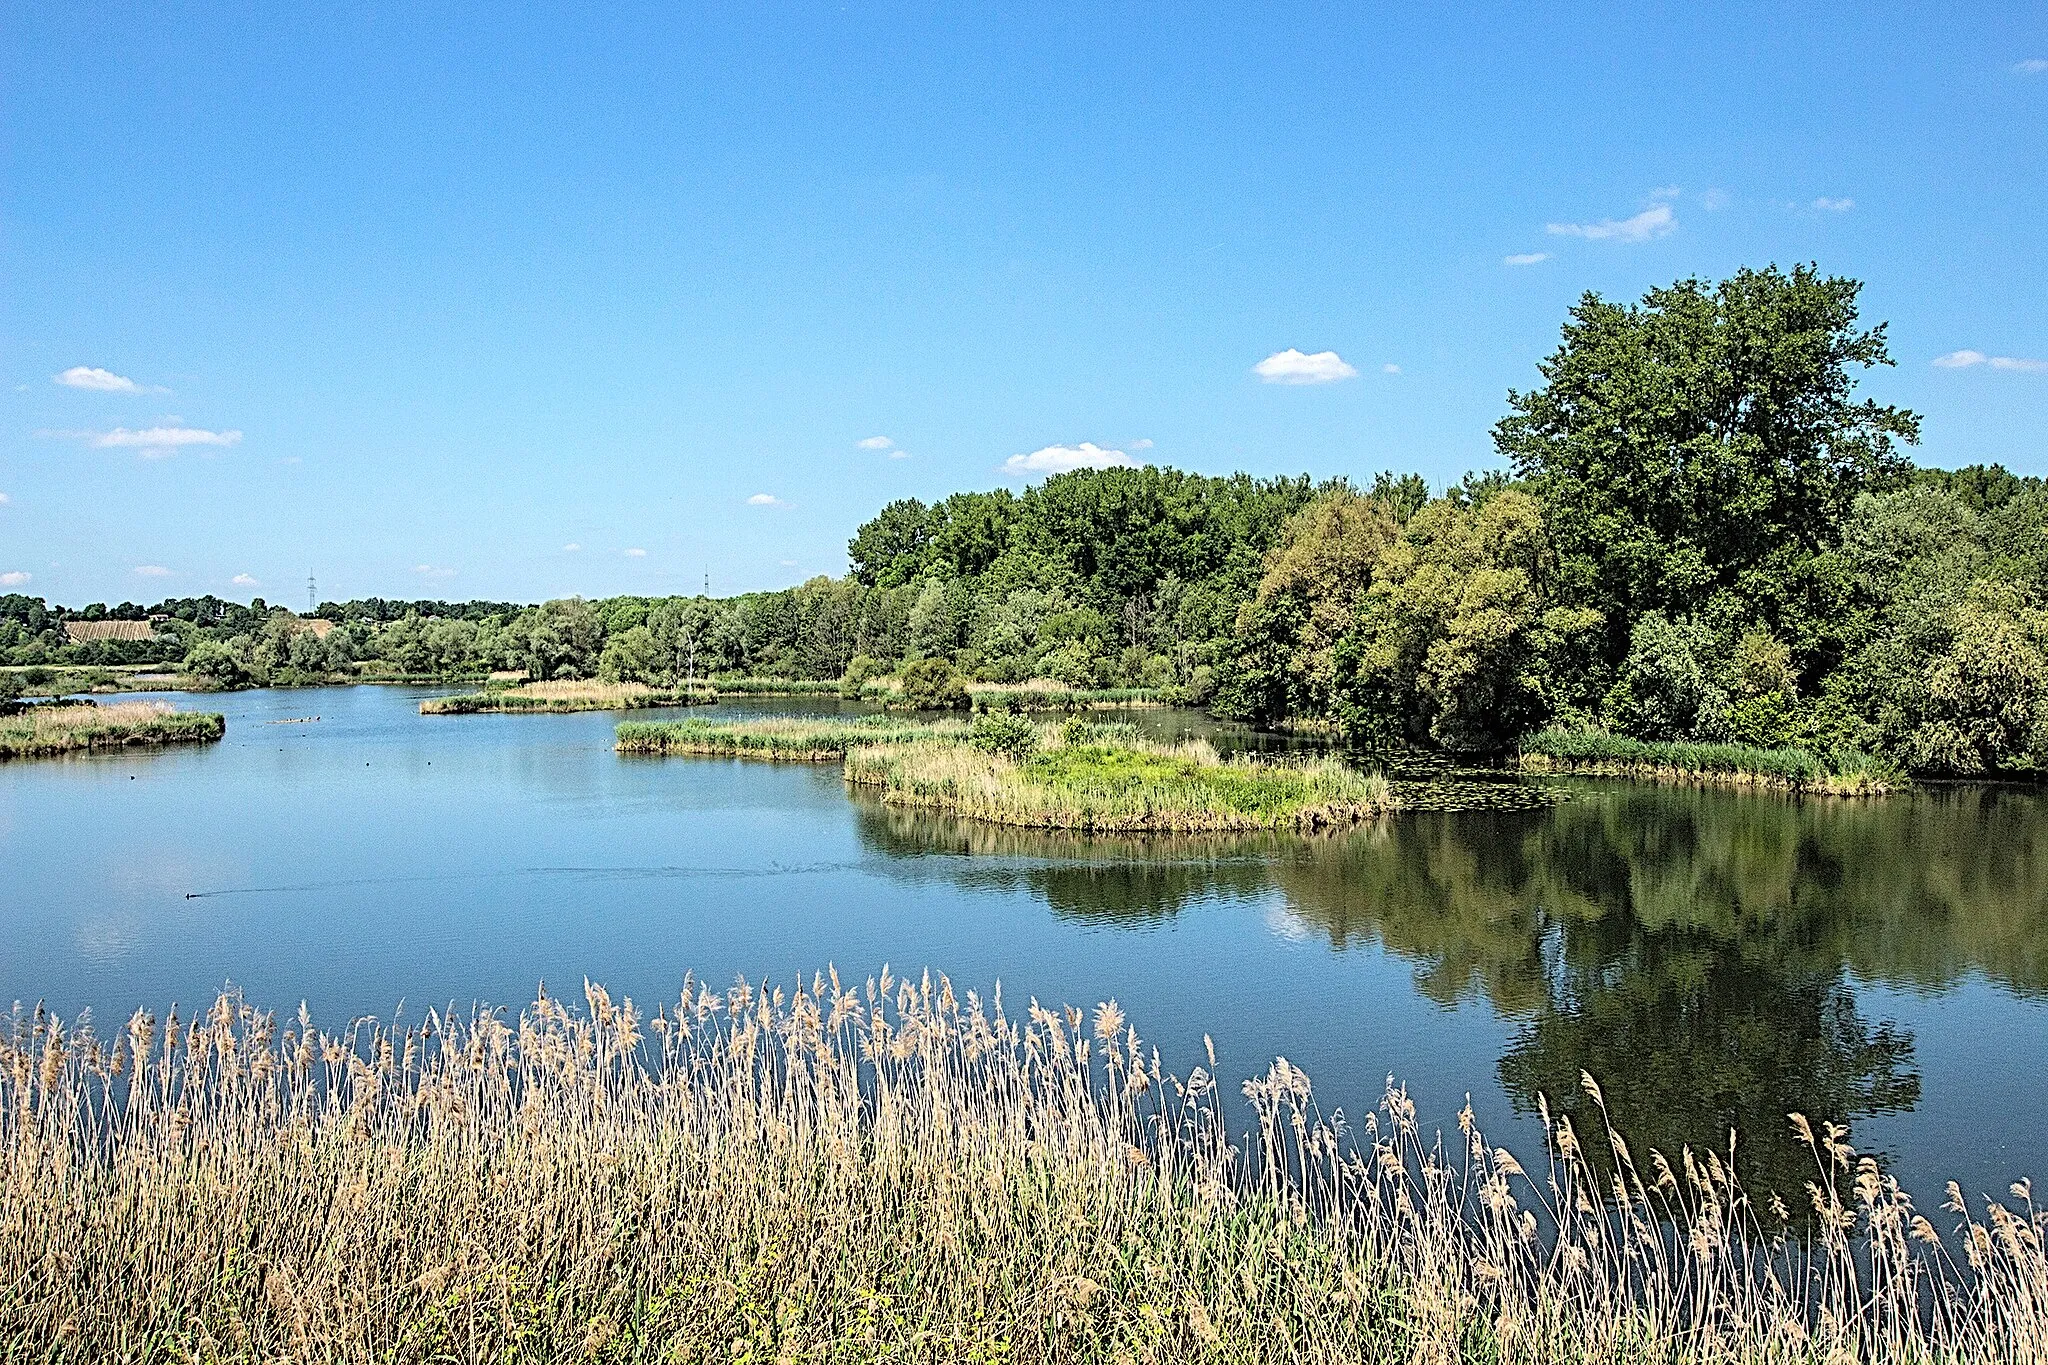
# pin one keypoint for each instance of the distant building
(80, 632)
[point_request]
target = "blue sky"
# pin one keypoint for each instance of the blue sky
(417, 297)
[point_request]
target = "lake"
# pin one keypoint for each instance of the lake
(1712, 957)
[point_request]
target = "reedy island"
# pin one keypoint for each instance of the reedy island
(42, 731)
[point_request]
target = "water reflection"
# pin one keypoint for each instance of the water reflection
(1696, 950)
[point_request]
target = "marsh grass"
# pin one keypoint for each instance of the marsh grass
(568, 695)
(1594, 753)
(898, 1171)
(1053, 697)
(41, 731)
(794, 739)
(1107, 779)
(776, 687)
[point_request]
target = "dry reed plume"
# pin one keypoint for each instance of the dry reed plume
(894, 1172)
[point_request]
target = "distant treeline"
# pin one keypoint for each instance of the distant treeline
(1699, 534)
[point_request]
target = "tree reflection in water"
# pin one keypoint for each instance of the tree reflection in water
(1694, 949)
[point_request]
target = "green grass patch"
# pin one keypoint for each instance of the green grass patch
(776, 687)
(42, 731)
(1065, 699)
(567, 696)
(1596, 753)
(793, 739)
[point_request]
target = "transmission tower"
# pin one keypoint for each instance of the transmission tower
(312, 595)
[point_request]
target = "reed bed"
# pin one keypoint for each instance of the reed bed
(776, 687)
(41, 731)
(1086, 778)
(786, 738)
(567, 695)
(1595, 753)
(1030, 698)
(898, 1171)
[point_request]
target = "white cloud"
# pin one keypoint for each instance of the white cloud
(433, 571)
(1651, 222)
(1714, 199)
(1390, 368)
(1062, 459)
(1142, 443)
(4, 499)
(1525, 258)
(636, 553)
(2032, 66)
(899, 454)
(14, 579)
(100, 381)
(1292, 367)
(572, 547)
(765, 500)
(787, 563)
(1962, 360)
(875, 443)
(152, 571)
(154, 443)
(1666, 192)
(244, 580)
(1827, 205)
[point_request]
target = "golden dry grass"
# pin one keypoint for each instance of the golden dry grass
(897, 1171)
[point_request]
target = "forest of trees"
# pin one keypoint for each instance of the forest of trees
(1698, 532)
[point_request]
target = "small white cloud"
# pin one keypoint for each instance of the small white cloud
(433, 571)
(636, 553)
(1390, 368)
(4, 499)
(787, 563)
(875, 443)
(1525, 258)
(1713, 199)
(1827, 205)
(154, 443)
(1143, 443)
(244, 580)
(1063, 459)
(2032, 66)
(1666, 192)
(765, 500)
(899, 454)
(1292, 367)
(14, 579)
(1654, 221)
(572, 547)
(100, 381)
(1962, 360)
(152, 571)
(292, 459)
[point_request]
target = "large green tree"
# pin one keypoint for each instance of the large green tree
(1706, 440)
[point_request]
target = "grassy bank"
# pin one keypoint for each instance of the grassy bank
(897, 1171)
(41, 731)
(1094, 778)
(1597, 754)
(567, 696)
(996, 698)
(788, 738)
(776, 687)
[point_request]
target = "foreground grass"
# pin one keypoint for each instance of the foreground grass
(1107, 779)
(893, 1172)
(567, 696)
(1598, 754)
(794, 739)
(41, 731)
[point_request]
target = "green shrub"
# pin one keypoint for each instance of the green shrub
(1009, 735)
(934, 685)
(858, 672)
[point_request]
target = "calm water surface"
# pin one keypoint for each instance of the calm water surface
(1714, 958)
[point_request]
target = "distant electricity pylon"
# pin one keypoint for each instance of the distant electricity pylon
(312, 596)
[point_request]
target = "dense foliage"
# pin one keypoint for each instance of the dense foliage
(1702, 535)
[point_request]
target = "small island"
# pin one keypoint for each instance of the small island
(46, 730)
(569, 695)
(1084, 776)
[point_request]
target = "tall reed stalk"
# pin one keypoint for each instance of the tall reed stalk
(895, 1171)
